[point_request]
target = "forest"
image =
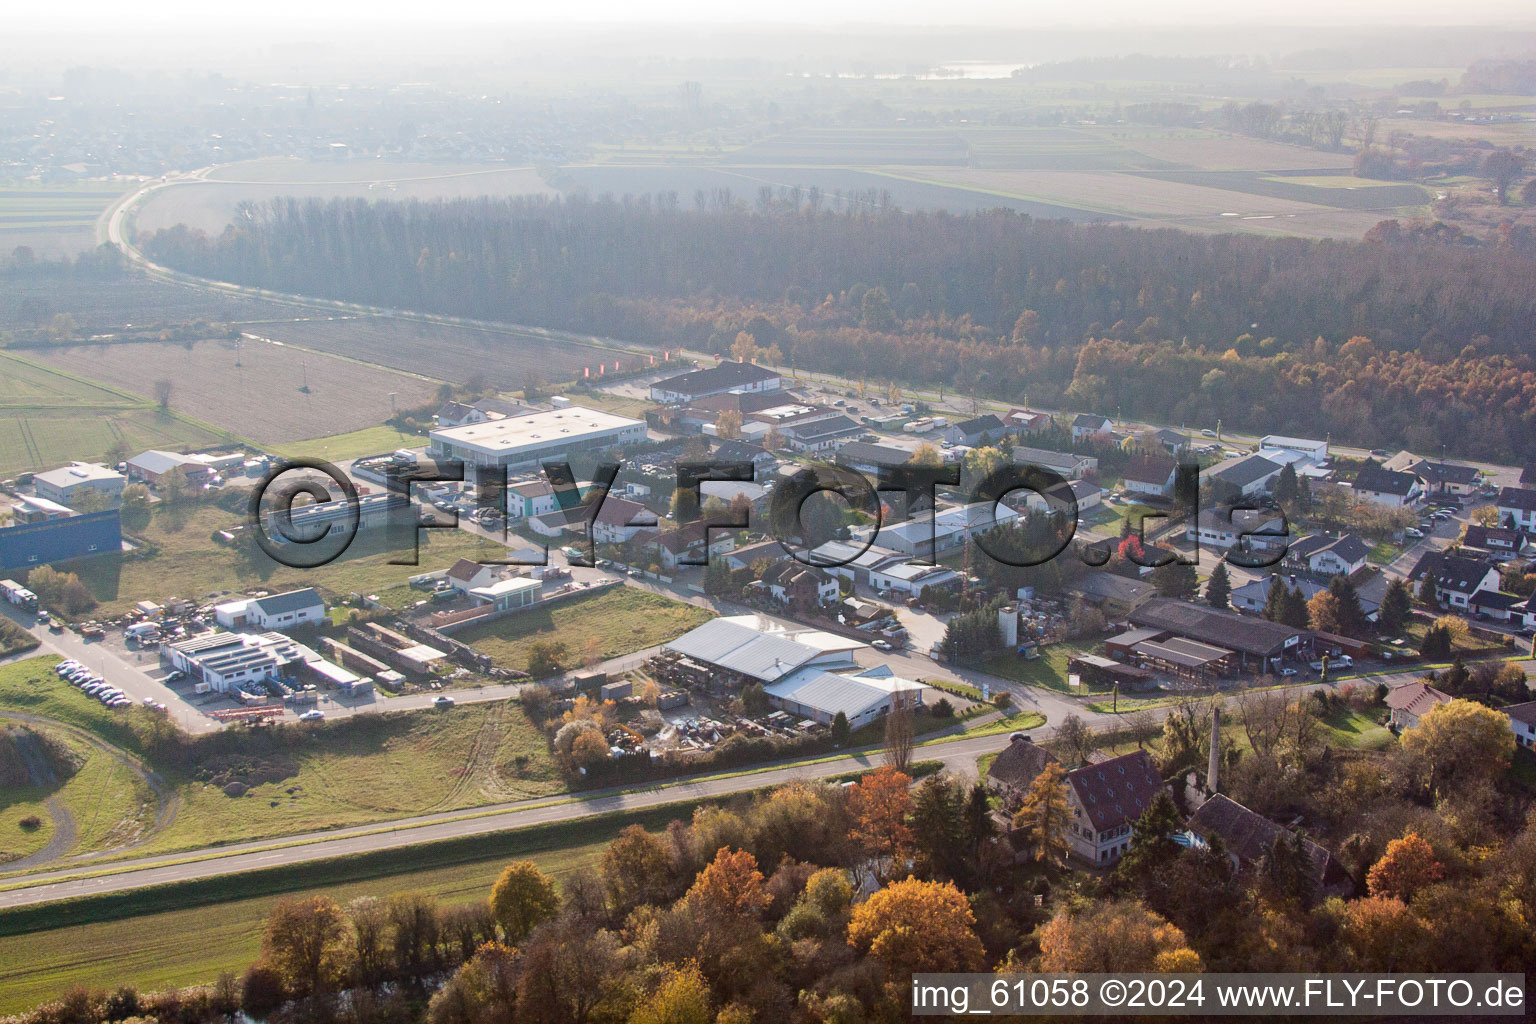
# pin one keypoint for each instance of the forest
(1418, 334)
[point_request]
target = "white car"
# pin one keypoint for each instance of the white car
(1287, 671)
(312, 716)
(64, 668)
(882, 645)
(1415, 534)
(442, 702)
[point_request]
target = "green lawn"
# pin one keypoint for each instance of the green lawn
(337, 774)
(358, 443)
(622, 619)
(1049, 670)
(1384, 553)
(1358, 730)
(186, 562)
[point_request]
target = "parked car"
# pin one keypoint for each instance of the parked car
(1415, 534)
(882, 645)
(1287, 671)
(312, 716)
(444, 701)
(1207, 433)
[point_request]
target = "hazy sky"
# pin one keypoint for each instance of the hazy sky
(158, 15)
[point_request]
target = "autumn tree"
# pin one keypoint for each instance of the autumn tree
(916, 926)
(1044, 815)
(1503, 167)
(522, 898)
(682, 997)
(568, 971)
(1121, 936)
(1457, 743)
(482, 991)
(730, 886)
(1408, 865)
(881, 802)
(305, 943)
(728, 423)
(634, 869)
(744, 348)
(546, 657)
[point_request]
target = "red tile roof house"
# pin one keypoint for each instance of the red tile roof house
(1105, 800)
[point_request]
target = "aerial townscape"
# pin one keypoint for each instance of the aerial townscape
(704, 528)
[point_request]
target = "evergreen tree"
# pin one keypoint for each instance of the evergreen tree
(1218, 589)
(1153, 846)
(1286, 486)
(1396, 606)
(840, 729)
(1274, 600)
(1294, 609)
(1175, 579)
(1352, 619)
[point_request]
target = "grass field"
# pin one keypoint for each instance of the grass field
(268, 393)
(622, 619)
(1049, 670)
(49, 417)
(54, 220)
(166, 948)
(187, 563)
(383, 766)
(357, 443)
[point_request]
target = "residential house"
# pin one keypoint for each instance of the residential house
(1249, 837)
(1445, 479)
(732, 450)
(1026, 421)
(457, 414)
(1016, 767)
(1245, 475)
(1522, 719)
(1087, 427)
(764, 550)
(871, 459)
(1253, 596)
(287, 610)
(619, 519)
(533, 498)
(1170, 441)
(984, 429)
(695, 543)
(1323, 555)
(795, 583)
(1528, 475)
(1455, 578)
(1067, 464)
(1387, 486)
(1105, 800)
(1412, 702)
(715, 380)
(820, 435)
(1517, 508)
(1151, 475)
(1496, 543)
(1499, 606)
(466, 575)
(1249, 530)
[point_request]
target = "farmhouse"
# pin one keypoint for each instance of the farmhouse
(69, 484)
(716, 380)
(1105, 799)
(1412, 702)
(1249, 837)
(526, 440)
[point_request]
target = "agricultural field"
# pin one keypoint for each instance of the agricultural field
(253, 388)
(621, 619)
(506, 359)
(245, 786)
(210, 203)
(1380, 197)
(352, 445)
(180, 558)
(101, 306)
(49, 417)
(55, 221)
(856, 147)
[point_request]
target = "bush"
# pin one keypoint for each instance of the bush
(31, 823)
(942, 708)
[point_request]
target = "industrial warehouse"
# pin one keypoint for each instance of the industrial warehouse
(526, 440)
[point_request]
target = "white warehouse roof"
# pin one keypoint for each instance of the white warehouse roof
(519, 434)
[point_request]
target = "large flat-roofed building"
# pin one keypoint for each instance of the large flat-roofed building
(228, 661)
(28, 545)
(862, 697)
(1256, 642)
(744, 648)
(527, 440)
(68, 484)
(308, 523)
